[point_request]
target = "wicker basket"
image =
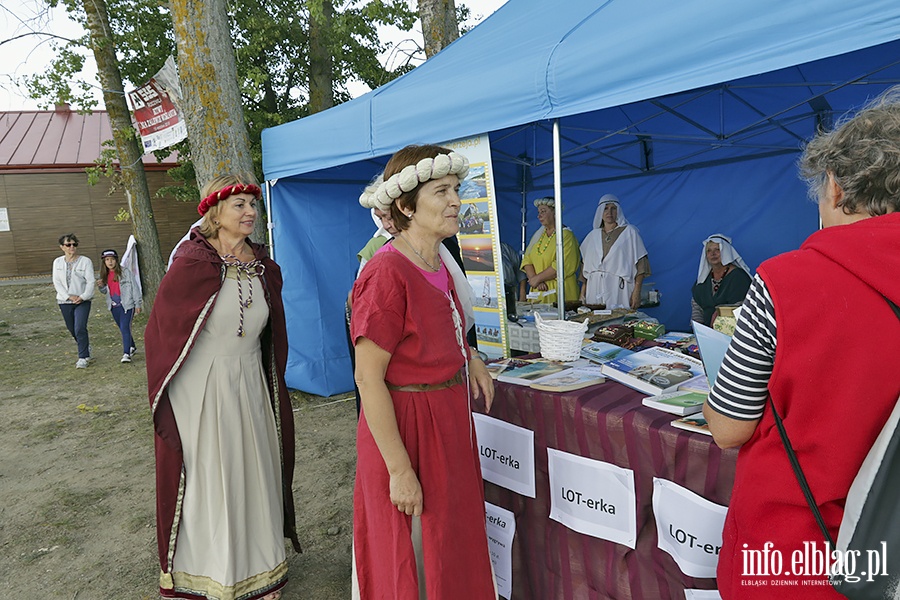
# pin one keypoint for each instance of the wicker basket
(560, 340)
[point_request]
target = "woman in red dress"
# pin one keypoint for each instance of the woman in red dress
(419, 522)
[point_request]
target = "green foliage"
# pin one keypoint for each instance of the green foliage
(272, 51)
(105, 166)
(61, 83)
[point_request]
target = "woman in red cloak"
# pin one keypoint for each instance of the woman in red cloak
(224, 430)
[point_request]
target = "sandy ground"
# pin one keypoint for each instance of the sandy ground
(76, 466)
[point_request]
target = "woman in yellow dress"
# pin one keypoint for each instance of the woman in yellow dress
(539, 262)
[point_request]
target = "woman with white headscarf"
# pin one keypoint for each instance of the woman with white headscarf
(723, 278)
(615, 259)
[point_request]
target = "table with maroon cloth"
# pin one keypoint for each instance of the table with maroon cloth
(606, 422)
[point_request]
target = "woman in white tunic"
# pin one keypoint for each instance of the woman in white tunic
(615, 259)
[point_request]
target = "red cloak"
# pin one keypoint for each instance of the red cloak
(184, 301)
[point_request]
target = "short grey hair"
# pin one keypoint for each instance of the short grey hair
(862, 152)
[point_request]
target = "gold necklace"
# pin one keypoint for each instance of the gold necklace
(430, 266)
(540, 245)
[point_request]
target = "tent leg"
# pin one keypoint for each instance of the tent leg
(557, 193)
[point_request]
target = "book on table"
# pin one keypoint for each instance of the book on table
(527, 374)
(699, 384)
(496, 367)
(603, 352)
(570, 379)
(675, 337)
(677, 402)
(695, 423)
(653, 371)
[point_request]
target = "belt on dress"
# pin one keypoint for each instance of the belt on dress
(428, 387)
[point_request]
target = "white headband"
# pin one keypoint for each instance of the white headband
(381, 195)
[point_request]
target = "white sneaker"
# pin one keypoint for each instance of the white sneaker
(82, 363)
(126, 358)
(133, 351)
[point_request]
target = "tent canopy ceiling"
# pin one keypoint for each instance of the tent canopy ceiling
(534, 60)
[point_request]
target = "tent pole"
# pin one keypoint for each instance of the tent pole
(557, 194)
(523, 216)
(269, 224)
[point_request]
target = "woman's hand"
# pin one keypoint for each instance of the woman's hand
(75, 299)
(481, 382)
(406, 492)
(137, 310)
(636, 298)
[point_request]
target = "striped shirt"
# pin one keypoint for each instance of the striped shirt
(741, 388)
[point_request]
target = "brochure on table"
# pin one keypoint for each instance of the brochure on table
(688, 527)
(713, 345)
(501, 529)
(479, 241)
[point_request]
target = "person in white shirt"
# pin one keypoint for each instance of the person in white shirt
(73, 278)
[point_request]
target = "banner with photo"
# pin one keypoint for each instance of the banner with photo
(155, 109)
(479, 241)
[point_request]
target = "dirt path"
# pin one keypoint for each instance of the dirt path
(77, 496)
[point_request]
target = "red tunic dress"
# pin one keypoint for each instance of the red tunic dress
(399, 310)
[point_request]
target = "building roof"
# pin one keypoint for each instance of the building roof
(60, 139)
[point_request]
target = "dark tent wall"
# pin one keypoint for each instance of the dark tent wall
(318, 229)
(762, 204)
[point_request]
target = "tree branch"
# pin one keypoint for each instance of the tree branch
(48, 35)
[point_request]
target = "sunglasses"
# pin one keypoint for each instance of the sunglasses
(71, 244)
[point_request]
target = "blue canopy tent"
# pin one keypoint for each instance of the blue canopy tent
(693, 113)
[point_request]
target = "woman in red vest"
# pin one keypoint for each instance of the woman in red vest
(834, 377)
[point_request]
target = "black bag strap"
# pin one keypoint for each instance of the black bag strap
(801, 478)
(795, 464)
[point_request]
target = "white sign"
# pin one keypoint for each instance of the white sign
(4, 220)
(501, 528)
(689, 527)
(702, 595)
(593, 497)
(507, 454)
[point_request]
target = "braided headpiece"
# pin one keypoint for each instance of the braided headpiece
(225, 192)
(380, 194)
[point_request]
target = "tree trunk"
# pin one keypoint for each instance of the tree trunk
(439, 26)
(127, 147)
(321, 61)
(211, 100)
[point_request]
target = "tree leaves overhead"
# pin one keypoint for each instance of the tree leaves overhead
(271, 48)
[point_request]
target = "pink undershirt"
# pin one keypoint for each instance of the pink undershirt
(440, 280)
(114, 289)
